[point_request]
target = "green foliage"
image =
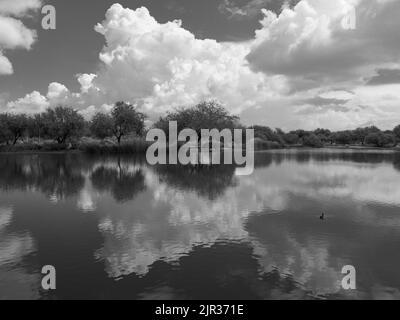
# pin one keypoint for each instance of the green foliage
(126, 120)
(313, 141)
(267, 134)
(102, 125)
(291, 138)
(5, 133)
(396, 132)
(380, 139)
(126, 147)
(62, 123)
(206, 115)
(343, 137)
(260, 144)
(12, 127)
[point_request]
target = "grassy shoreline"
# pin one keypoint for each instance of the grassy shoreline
(139, 146)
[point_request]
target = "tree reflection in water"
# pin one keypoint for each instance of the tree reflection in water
(207, 181)
(120, 181)
(185, 232)
(58, 176)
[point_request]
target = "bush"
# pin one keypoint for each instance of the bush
(312, 141)
(380, 139)
(128, 147)
(260, 144)
(20, 147)
(62, 124)
(291, 138)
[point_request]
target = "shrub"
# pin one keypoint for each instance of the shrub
(313, 141)
(380, 139)
(128, 147)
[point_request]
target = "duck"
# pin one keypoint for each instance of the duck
(322, 217)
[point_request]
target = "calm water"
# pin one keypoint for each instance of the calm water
(116, 228)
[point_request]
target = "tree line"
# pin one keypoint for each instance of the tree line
(64, 124)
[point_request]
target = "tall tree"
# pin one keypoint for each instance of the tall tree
(126, 120)
(205, 115)
(62, 123)
(380, 139)
(102, 125)
(17, 125)
(396, 132)
(5, 133)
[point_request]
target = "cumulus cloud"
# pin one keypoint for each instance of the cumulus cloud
(244, 9)
(18, 7)
(30, 104)
(86, 81)
(310, 41)
(5, 65)
(302, 69)
(164, 65)
(13, 33)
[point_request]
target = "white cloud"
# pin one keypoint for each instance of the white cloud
(86, 81)
(309, 40)
(13, 33)
(18, 7)
(164, 65)
(5, 65)
(30, 104)
(301, 69)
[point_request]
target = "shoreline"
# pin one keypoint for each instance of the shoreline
(297, 147)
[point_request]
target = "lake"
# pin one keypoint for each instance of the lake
(117, 228)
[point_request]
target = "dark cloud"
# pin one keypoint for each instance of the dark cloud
(330, 52)
(323, 109)
(320, 101)
(385, 76)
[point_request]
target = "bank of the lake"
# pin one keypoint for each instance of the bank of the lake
(137, 146)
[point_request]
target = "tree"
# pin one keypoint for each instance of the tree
(5, 133)
(342, 137)
(396, 132)
(313, 141)
(267, 134)
(62, 123)
(102, 125)
(36, 126)
(324, 135)
(16, 125)
(206, 115)
(300, 133)
(126, 120)
(379, 139)
(291, 138)
(360, 134)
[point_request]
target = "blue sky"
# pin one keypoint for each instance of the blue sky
(285, 64)
(74, 46)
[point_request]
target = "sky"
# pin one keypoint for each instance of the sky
(282, 63)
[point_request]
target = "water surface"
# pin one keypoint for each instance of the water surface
(116, 228)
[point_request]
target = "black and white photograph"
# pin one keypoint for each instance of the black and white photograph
(199, 150)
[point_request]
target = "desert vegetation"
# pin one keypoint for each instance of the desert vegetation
(123, 130)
